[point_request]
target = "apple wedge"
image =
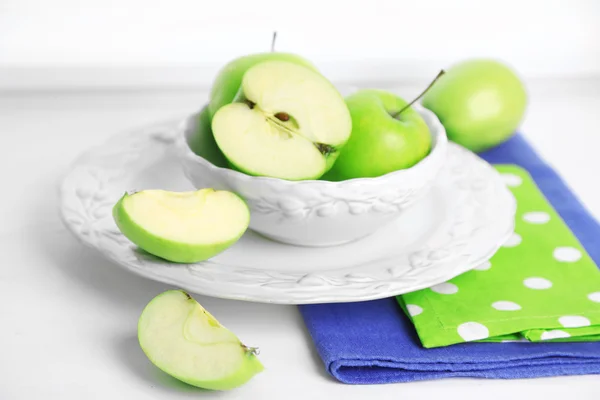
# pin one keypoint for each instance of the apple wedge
(287, 122)
(185, 341)
(182, 227)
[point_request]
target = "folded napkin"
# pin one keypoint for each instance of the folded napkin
(374, 342)
(541, 285)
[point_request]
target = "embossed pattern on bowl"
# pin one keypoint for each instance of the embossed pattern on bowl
(314, 212)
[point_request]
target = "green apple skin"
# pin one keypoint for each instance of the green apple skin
(249, 366)
(202, 142)
(480, 102)
(380, 144)
(229, 79)
(171, 250)
(252, 366)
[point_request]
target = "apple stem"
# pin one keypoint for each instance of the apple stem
(439, 75)
(254, 350)
(325, 149)
(273, 41)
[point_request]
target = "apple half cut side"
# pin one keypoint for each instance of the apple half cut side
(185, 341)
(287, 122)
(228, 80)
(182, 227)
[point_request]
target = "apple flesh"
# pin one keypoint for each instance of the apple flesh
(381, 141)
(227, 83)
(185, 341)
(480, 103)
(182, 227)
(287, 122)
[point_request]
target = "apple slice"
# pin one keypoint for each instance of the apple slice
(183, 227)
(287, 122)
(184, 340)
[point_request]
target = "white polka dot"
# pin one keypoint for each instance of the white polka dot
(536, 217)
(537, 283)
(574, 321)
(566, 254)
(473, 331)
(484, 267)
(506, 306)
(513, 240)
(445, 288)
(594, 297)
(511, 180)
(522, 340)
(554, 334)
(414, 309)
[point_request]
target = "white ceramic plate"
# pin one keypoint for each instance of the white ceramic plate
(460, 224)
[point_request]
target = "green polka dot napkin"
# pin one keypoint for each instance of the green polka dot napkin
(541, 285)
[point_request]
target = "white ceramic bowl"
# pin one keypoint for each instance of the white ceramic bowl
(320, 213)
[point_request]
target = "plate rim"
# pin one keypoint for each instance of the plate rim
(163, 133)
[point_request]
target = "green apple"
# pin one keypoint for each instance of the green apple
(287, 122)
(387, 135)
(480, 103)
(184, 340)
(182, 227)
(227, 83)
(201, 140)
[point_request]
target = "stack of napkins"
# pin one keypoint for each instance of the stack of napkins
(537, 300)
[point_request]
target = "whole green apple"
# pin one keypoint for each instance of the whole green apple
(386, 136)
(480, 103)
(229, 79)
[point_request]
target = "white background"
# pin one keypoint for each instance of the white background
(73, 73)
(136, 43)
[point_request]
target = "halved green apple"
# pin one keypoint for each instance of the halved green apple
(182, 227)
(287, 122)
(184, 340)
(228, 80)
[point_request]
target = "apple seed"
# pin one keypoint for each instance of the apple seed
(282, 116)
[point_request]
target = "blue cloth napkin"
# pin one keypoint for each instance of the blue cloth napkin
(374, 342)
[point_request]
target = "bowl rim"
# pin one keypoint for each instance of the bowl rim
(436, 129)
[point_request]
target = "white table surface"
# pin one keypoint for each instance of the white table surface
(68, 317)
